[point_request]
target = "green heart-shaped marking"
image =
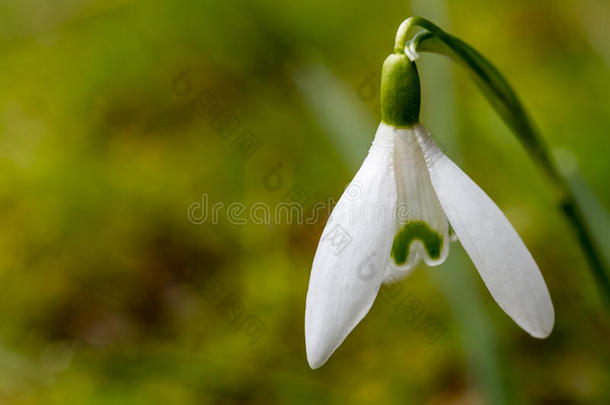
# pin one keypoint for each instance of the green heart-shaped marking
(416, 230)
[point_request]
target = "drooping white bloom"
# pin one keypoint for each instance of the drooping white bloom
(397, 212)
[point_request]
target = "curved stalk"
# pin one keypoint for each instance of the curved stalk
(505, 101)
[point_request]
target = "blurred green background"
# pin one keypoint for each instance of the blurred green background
(117, 116)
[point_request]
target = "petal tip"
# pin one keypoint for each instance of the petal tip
(546, 329)
(317, 354)
(541, 334)
(315, 363)
(543, 328)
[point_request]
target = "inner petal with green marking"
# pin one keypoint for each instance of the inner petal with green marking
(412, 231)
(421, 228)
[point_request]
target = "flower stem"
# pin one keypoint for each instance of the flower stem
(401, 33)
(505, 101)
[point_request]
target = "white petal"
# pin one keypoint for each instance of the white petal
(422, 227)
(504, 263)
(353, 252)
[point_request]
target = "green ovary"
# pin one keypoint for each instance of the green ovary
(416, 230)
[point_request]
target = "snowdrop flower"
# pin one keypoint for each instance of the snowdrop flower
(361, 245)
